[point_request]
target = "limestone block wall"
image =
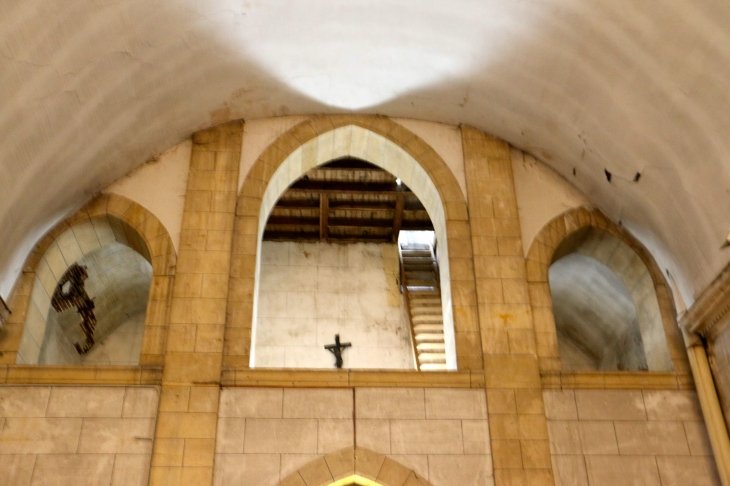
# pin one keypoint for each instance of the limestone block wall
(76, 436)
(628, 437)
(264, 435)
(311, 291)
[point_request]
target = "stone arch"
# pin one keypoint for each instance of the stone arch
(554, 241)
(135, 227)
(323, 138)
(354, 465)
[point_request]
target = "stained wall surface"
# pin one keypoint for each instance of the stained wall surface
(311, 291)
(628, 437)
(266, 434)
(76, 436)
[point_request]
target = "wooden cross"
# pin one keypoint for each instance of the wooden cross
(336, 349)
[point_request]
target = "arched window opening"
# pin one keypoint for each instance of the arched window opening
(605, 306)
(332, 263)
(89, 297)
(118, 283)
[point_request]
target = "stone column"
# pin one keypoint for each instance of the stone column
(518, 427)
(186, 426)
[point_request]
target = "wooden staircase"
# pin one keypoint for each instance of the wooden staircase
(422, 290)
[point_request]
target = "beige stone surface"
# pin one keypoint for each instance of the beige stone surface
(455, 404)
(688, 471)
(304, 403)
(390, 403)
(291, 462)
(426, 437)
(17, 470)
(570, 471)
(672, 405)
(457, 470)
(22, 401)
(610, 405)
(697, 438)
(73, 470)
(334, 434)
(253, 469)
(106, 435)
(624, 471)
(416, 462)
(374, 434)
(40, 435)
(560, 405)
(628, 437)
(283, 435)
(81, 446)
(597, 437)
(651, 438)
(131, 470)
(251, 402)
(565, 437)
(229, 438)
(476, 436)
(86, 402)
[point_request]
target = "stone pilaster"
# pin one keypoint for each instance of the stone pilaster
(186, 428)
(520, 446)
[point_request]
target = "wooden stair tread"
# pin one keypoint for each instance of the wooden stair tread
(433, 367)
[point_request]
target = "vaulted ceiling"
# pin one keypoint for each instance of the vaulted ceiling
(89, 89)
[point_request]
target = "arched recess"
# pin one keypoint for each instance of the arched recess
(354, 466)
(560, 237)
(135, 227)
(384, 143)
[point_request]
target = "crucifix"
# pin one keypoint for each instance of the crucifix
(336, 349)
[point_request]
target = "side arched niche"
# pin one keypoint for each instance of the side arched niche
(385, 144)
(110, 229)
(354, 466)
(583, 238)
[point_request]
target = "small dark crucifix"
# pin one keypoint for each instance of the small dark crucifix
(336, 349)
(70, 292)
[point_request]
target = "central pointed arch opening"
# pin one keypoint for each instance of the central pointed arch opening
(329, 262)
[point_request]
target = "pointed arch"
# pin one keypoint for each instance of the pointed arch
(551, 243)
(354, 465)
(134, 226)
(391, 146)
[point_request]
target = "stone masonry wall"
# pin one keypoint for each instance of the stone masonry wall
(76, 436)
(628, 438)
(266, 434)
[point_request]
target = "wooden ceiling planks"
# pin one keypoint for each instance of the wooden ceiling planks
(346, 200)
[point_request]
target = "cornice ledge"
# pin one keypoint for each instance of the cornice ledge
(710, 314)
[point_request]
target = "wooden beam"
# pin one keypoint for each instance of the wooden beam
(310, 236)
(324, 214)
(292, 221)
(406, 224)
(398, 219)
(341, 187)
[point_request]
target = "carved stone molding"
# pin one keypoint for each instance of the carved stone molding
(710, 314)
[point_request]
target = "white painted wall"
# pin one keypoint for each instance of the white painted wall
(445, 140)
(542, 194)
(259, 134)
(309, 292)
(159, 186)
